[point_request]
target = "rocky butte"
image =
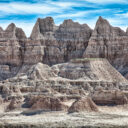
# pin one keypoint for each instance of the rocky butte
(64, 76)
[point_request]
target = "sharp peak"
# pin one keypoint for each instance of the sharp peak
(12, 24)
(46, 18)
(69, 21)
(101, 20)
(105, 21)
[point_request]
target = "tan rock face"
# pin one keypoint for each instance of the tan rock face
(10, 53)
(70, 40)
(109, 42)
(63, 42)
(56, 88)
(126, 76)
(11, 41)
(47, 104)
(41, 72)
(15, 103)
(1, 100)
(7, 90)
(104, 97)
(33, 54)
(94, 69)
(53, 44)
(4, 71)
(12, 32)
(45, 72)
(83, 104)
(43, 29)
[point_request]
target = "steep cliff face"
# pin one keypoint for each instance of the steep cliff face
(11, 41)
(51, 44)
(109, 42)
(10, 45)
(57, 44)
(43, 29)
(42, 35)
(62, 43)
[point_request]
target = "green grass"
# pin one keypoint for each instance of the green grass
(85, 60)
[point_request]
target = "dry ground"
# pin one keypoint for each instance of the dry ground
(107, 117)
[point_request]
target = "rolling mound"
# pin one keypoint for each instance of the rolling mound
(94, 69)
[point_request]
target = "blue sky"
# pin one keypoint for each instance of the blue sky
(25, 12)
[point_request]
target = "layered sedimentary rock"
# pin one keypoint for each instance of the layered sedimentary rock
(91, 69)
(51, 44)
(110, 97)
(10, 45)
(47, 104)
(63, 87)
(11, 50)
(40, 71)
(84, 104)
(15, 103)
(43, 73)
(63, 42)
(109, 42)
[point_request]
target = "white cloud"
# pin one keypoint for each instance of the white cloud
(35, 8)
(81, 13)
(23, 8)
(76, 14)
(64, 4)
(40, 7)
(117, 22)
(123, 15)
(63, 9)
(107, 1)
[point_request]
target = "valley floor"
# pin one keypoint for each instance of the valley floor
(108, 117)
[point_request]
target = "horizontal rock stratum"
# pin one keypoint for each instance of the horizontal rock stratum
(51, 44)
(68, 68)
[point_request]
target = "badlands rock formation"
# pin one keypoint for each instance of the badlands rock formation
(91, 69)
(81, 105)
(11, 41)
(47, 104)
(11, 50)
(61, 43)
(51, 44)
(111, 97)
(109, 42)
(63, 68)
(64, 87)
